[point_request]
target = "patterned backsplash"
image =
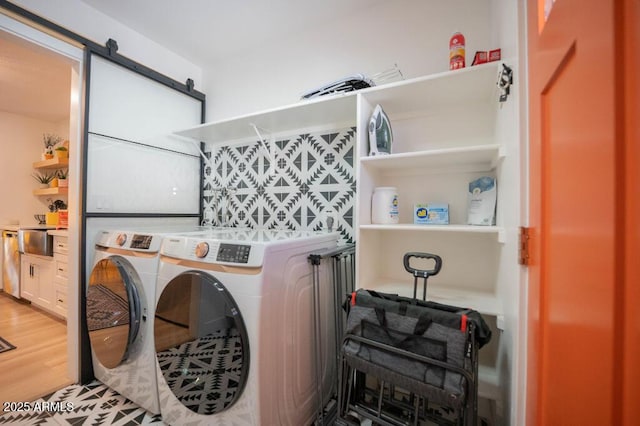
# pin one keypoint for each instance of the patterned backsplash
(311, 174)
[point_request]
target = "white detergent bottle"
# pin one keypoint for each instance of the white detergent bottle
(384, 206)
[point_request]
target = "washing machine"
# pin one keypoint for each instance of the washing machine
(234, 328)
(120, 304)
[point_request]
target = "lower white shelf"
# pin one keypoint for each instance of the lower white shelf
(484, 302)
(498, 231)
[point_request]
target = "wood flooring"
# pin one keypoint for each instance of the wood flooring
(38, 365)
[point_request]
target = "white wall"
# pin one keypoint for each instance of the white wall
(80, 18)
(21, 145)
(412, 33)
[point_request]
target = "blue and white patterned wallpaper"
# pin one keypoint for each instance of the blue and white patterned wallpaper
(313, 173)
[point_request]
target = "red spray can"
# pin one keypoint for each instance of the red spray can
(456, 51)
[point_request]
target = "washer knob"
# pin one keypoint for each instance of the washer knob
(121, 239)
(202, 249)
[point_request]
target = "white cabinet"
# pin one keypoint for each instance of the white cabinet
(449, 129)
(61, 275)
(44, 279)
(444, 137)
(36, 280)
(28, 283)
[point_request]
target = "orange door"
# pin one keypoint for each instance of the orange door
(630, 30)
(577, 208)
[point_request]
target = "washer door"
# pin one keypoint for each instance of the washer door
(113, 310)
(201, 343)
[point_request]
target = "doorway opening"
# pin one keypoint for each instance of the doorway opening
(41, 84)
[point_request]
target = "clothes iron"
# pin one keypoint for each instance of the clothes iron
(380, 134)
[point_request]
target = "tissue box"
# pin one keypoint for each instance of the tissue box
(431, 214)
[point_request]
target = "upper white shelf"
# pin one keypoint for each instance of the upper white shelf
(338, 109)
(471, 84)
(475, 84)
(475, 158)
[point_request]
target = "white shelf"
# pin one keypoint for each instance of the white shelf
(447, 88)
(472, 158)
(484, 302)
(337, 109)
(450, 88)
(498, 231)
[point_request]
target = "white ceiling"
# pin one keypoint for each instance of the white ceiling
(35, 83)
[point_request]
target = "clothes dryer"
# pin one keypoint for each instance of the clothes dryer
(234, 331)
(120, 304)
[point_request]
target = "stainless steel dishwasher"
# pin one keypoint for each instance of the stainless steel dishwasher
(10, 263)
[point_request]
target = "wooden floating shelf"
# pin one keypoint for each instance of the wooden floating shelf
(54, 163)
(51, 191)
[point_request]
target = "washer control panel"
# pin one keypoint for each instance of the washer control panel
(214, 251)
(140, 241)
(233, 253)
(129, 241)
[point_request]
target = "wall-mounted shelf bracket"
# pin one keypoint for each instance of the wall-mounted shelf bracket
(272, 166)
(505, 80)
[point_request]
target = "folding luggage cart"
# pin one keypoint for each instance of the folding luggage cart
(410, 361)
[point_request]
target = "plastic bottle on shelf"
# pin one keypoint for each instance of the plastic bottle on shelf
(456, 51)
(384, 206)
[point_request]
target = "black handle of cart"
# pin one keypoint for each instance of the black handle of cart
(421, 273)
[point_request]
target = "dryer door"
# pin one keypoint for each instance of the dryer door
(113, 310)
(201, 343)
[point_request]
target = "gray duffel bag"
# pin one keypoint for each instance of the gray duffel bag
(416, 330)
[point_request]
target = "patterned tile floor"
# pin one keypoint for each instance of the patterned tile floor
(93, 404)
